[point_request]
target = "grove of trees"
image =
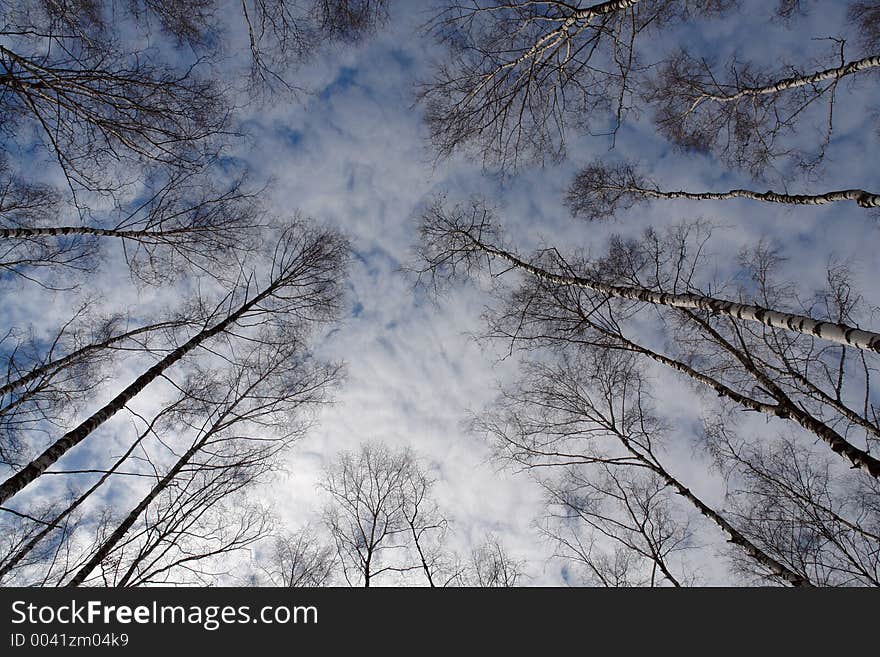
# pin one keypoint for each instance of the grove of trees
(118, 121)
(782, 402)
(132, 441)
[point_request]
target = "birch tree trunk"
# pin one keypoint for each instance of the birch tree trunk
(861, 197)
(35, 468)
(120, 531)
(53, 524)
(555, 38)
(60, 231)
(453, 241)
(795, 81)
(734, 536)
(72, 357)
(600, 189)
(783, 409)
(839, 333)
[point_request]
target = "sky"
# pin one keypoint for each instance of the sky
(354, 154)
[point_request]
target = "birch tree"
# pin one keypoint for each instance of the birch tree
(518, 76)
(187, 537)
(632, 512)
(203, 452)
(740, 357)
(746, 116)
(302, 284)
(380, 515)
(798, 506)
(94, 103)
(127, 106)
(296, 560)
(281, 34)
(188, 222)
(588, 415)
(25, 202)
(600, 190)
(43, 536)
(490, 565)
(456, 237)
(96, 98)
(48, 380)
(253, 421)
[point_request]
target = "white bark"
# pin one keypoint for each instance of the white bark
(554, 38)
(796, 81)
(861, 197)
(72, 438)
(833, 332)
(59, 231)
(72, 357)
(734, 536)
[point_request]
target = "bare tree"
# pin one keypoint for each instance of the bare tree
(589, 416)
(758, 368)
(47, 380)
(427, 527)
(20, 529)
(631, 511)
(282, 33)
(518, 77)
(303, 284)
(519, 74)
(239, 419)
(70, 347)
(182, 539)
(490, 566)
(28, 203)
(238, 422)
(746, 118)
(20, 557)
(599, 190)
(799, 507)
(379, 512)
(349, 20)
(298, 560)
(185, 224)
(465, 235)
(95, 103)
(136, 127)
(67, 72)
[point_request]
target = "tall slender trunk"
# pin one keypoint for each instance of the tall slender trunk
(422, 555)
(788, 409)
(861, 197)
(796, 81)
(24, 232)
(588, 13)
(62, 362)
(785, 409)
(554, 37)
(226, 417)
(72, 438)
(734, 536)
(839, 333)
(36, 540)
(123, 527)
